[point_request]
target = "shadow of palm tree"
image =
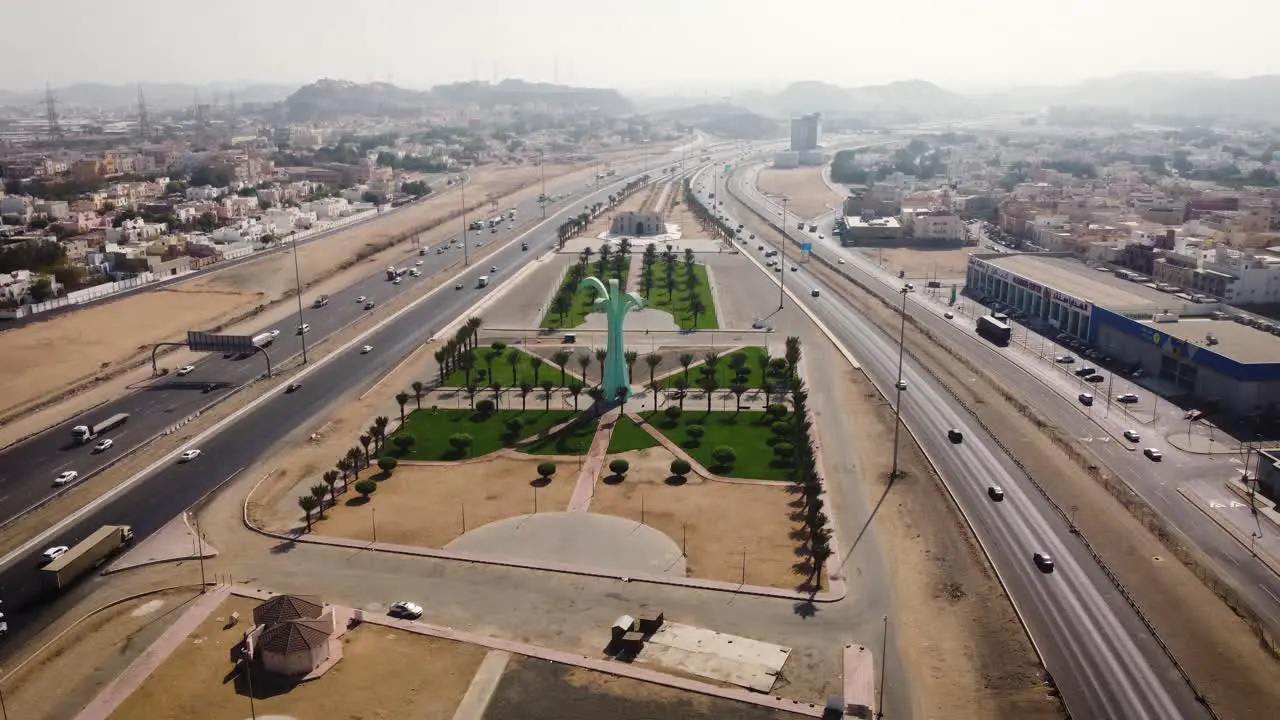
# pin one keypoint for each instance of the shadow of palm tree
(540, 482)
(676, 480)
(283, 547)
(613, 479)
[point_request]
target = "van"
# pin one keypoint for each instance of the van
(321, 301)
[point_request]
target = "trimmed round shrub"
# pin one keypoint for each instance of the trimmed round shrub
(778, 410)
(680, 467)
(546, 469)
(784, 450)
(619, 466)
(672, 412)
(387, 464)
(366, 487)
(780, 428)
(402, 442)
(484, 407)
(778, 366)
(514, 426)
(724, 456)
(695, 431)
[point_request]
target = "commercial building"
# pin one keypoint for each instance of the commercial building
(1224, 358)
(806, 132)
(638, 224)
(870, 231)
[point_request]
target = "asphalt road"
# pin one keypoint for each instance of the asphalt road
(27, 469)
(1104, 661)
(157, 497)
(1155, 483)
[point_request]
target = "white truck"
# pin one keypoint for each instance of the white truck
(482, 281)
(84, 434)
(88, 554)
(263, 339)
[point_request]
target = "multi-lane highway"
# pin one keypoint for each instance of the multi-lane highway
(28, 468)
(157, 495)
(1097, 649)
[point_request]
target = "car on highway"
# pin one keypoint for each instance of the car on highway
(841, 261)
(406, 610)
(188, 455)
(955, 436)
(361, 299)
(458, 286)
(418, 262)
(949, 315)
(1153, 454)
(369, 305)
(1132, 435)
(104, 445)
(65, 477)
(815, 292)
(1085, 398)
(1064, 359)
(366, 349)
(1043, 561)
(995, 492)
(493, 268)
(186, 370)
(909, 287)
(415, 273)
(1085, 371)
(53, 553)
(752, 237)
(901, 384)
(1094, 379)
(396, 281)
(1127, 398)
(304, 328)
(759, 247)
(274, 334)
(794, 268)
(208, 388)
(293, 387)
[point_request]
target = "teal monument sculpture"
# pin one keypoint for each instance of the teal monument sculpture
(615, 305)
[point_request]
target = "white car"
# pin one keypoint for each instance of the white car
(1132, 435)
(901, 384)
(54, 553)
(405, 609)
(366, 349)
(949, 315)
(104, 445)
(188, 456)
(396, 281)
(1153, 454)
(66, 477)
(304, 328)
(418, 262)
(361, 299)
(841, 261)
(493, 268)
(186, 370)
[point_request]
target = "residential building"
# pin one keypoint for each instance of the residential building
(934, 226)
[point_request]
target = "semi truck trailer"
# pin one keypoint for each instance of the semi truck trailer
(263, 339)
(994, 330)
(87, 555)
(84, 434)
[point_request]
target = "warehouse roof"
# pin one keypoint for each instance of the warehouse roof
(1238, 342)
(1081, 281)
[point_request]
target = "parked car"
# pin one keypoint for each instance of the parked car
(949, 315)
(1094, 379)
(361, 299)
(1064, 359)
(406, 610)
(1085, 371)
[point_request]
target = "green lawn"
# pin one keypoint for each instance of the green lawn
(677, 302)
(502, 371)
(747, 433)
(431, 430)
(627, 436)
(724, 370)
(573, 440)
(583, 299)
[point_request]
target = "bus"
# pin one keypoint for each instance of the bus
(994, 330)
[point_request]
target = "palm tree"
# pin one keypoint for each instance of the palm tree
(365, 439)
(489, 356)
(473, 326)
(381, 422)
(536, 363)
(620, 396)
(712, 359)
(630, 357)
(331, 479)
(738, 390)
(467, 361)
(601, 354)
(525, 389)
(344, 468)
(402, 397)
(710, 385)
(496, 387)
(308, 503)
(682, 389)
(575, 389)
(318, 491)
(354, 460)
(471, 389)
(513, 358)
(686, 359)
(696, 307)
(584, 362)
(441, 356)
(653, 360)
(546, 394)
(418, 388)
(792, 355)
(561, 358)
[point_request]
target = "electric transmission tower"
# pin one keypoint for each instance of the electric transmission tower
(144, 120)
(53, 126)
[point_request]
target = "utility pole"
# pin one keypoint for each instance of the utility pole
(297, 285)
(782, 281)
(897, 407)
(542, 164)
(465, 256)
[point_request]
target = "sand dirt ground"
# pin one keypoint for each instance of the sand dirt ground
(426, 506)
(110, 354)
(383, 674)
(942, 264)
(807, 195)
(716, 522)
(1219, 650)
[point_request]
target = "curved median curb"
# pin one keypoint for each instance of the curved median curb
(690, 583)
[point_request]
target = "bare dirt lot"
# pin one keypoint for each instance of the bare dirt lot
(538, 690)
(807, 195)
(1218, 650)
(383, 674)
(942, 263)
(426, 505)
(690, 514)
(85, 348)
(72, 671)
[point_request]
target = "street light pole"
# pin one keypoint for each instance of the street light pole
(542, 163)
(782, 281)
(297, 287)
(465, 259)
(897, 408)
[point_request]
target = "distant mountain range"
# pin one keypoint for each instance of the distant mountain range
(329, 99)
(1142, 93)
(159, 96)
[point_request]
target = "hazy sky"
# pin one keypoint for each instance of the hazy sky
(658, 45)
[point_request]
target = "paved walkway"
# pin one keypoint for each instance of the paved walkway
(127, 682)
(585, 488)
(175, 541)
